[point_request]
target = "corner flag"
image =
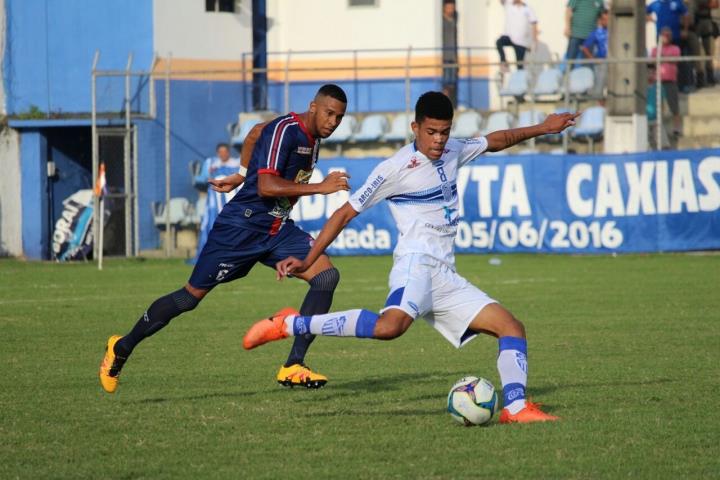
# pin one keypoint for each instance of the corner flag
(101, 184)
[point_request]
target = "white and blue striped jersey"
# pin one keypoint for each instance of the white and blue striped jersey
(422, 196)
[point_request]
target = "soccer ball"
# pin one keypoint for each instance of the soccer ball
(472, 401)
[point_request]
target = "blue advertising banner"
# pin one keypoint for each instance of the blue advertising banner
(645, 202)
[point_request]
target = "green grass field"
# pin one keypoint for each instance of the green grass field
(626, 350)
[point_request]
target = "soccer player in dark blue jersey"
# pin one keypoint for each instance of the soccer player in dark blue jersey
(254, 226)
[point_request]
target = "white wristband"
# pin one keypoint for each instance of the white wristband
(242, 171)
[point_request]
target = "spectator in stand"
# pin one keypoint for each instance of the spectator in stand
(581, 18)
(520, 33)
(674, 15)
(217, 167)
(705, 30)
(449, 52)
(669, 77)
(596, 46)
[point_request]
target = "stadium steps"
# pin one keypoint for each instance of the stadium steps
(701, 123)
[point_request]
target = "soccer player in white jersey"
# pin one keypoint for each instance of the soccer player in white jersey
(420, 184)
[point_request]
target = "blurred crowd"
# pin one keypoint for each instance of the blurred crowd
(693, 25)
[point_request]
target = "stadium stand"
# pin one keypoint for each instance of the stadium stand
(517, 85)
(179, 213)
(498, 121)
(372, 128)
(467, 124)
(591, 126)
(580, 82)
(549, 82)
(399, 128)
(240, 133)
(344, 131)
(530, 117)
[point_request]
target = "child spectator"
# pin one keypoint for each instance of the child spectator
(669, 76)
(596, 46)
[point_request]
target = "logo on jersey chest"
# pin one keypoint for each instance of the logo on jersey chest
(414, 162)
(304, 150)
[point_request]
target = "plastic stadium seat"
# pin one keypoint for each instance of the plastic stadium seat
(179, 212)
(467, 125)
(399, 128)
(198, 210)
(557, 137)
(591, 126)
(581, 80)
(245, 128)
(528, 151)
(517, 84)
(498, 121)
(372, 128)
(530, 117)
(548, 82)
(344, 131)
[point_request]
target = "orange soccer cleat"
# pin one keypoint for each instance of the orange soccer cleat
(110, 366)
(268, 329)
(531, 413)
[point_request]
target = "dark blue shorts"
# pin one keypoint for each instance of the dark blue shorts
(232, 251)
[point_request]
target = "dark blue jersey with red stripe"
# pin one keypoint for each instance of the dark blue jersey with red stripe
(285, 148)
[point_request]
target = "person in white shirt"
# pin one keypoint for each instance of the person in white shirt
(520, 32)
(420, 184)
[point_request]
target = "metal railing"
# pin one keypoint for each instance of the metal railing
(468, 64)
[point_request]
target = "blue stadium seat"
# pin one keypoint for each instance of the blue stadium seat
(498, 121)
(399, 128)
(557, 137)
(467, 125)
(591, 126)
(581, 80)
(245, 128)
(517, 85)
(344, 131)
(372, 128)
(549, 82)
(528, 118)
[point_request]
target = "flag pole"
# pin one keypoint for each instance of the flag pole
(101, 230)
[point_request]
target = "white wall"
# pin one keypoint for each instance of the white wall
(10, 210)
(332, 24)
(185, 29)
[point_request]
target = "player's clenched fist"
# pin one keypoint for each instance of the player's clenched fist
(335, 181)
(288, 266)
(226, 184)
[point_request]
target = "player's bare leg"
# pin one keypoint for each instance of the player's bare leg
(512, 363)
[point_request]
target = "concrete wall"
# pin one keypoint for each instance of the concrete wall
(10, 205)
(184, 28)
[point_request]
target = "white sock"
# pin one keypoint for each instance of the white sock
(350, 323)
(513, 368)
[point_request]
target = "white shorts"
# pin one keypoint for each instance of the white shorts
(422, 286)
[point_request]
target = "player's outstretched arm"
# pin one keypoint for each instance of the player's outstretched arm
(327, 235)
(270, 185)
(554, 123)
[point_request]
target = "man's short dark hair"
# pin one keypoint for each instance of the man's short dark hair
(435, 105)
(333, 91)
(221, 145)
